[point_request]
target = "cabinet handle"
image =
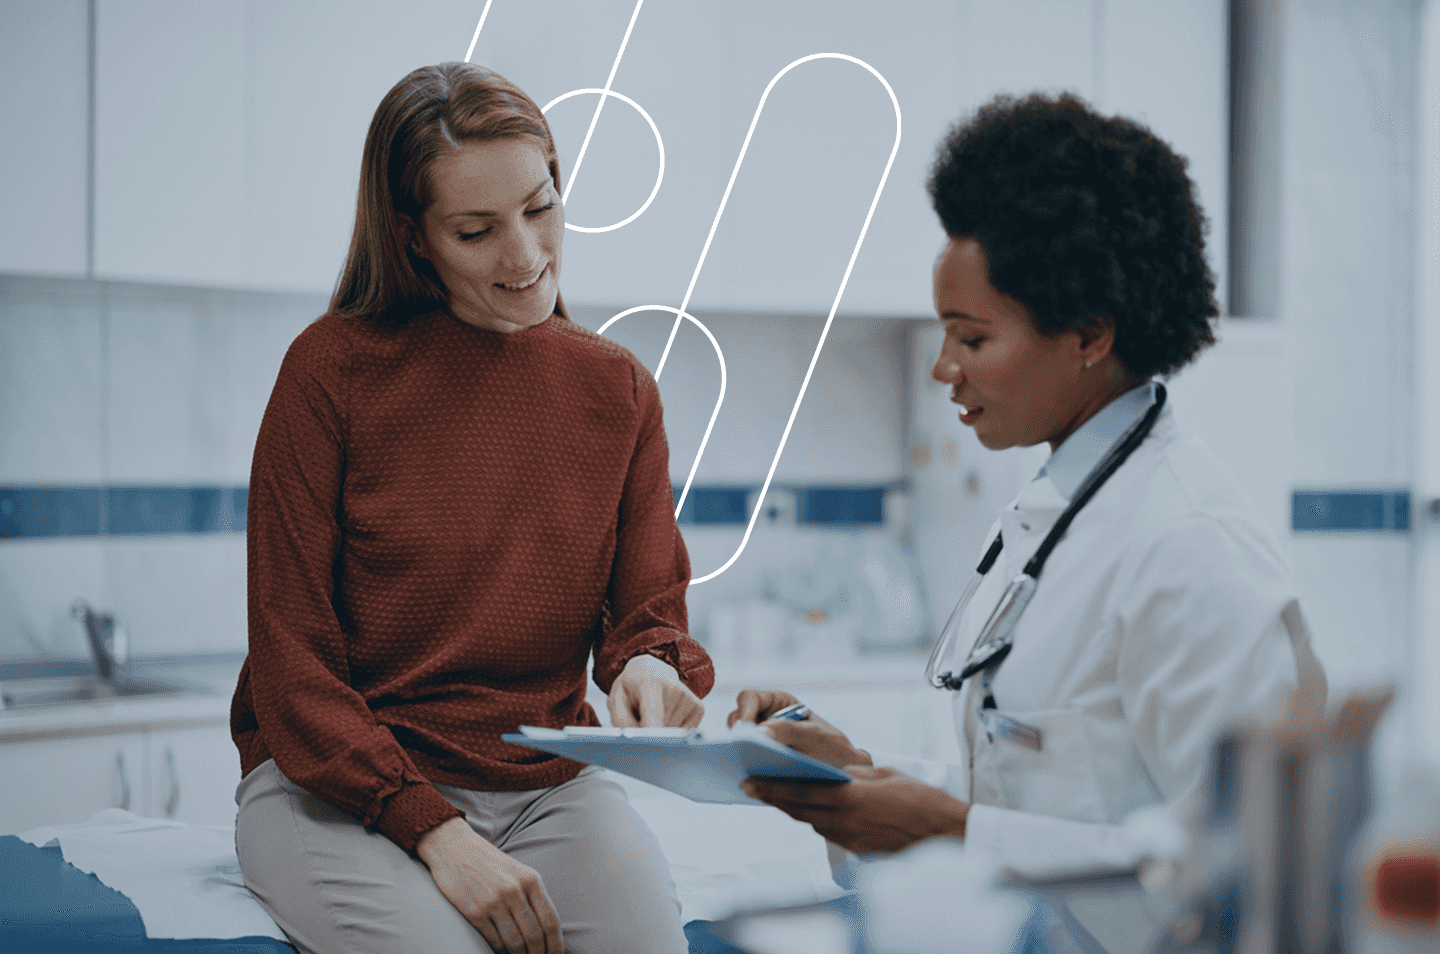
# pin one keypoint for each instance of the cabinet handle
(124, 780)
(173, 802)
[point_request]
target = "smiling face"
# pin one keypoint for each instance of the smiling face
(492, 230)
(1017, 387)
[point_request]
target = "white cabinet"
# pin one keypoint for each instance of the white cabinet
(228, 136)
(314, 74)
(170, 121)
(49, 781)
(1165, 62)
(44, 112)
(188, 774)
(192, 775)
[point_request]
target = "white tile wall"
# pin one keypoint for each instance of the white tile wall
(848, 429)
(132, 384)
(1348, 147)
(141, 384)
(1348, 196)
(178, 594)
(50, 374)
(39, 579)
(190, 374)
(1239, 397)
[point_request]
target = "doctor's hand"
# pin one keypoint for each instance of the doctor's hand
(755, 705)
(648, 694)
(501, 897)
(881, 810)
(812, 736)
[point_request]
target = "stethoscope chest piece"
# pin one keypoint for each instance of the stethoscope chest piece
(997, 636)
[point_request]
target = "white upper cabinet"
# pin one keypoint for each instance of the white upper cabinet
(44, 120)
(170, 136)
(1164, 63)
(819, 150)
(677, 68)
(228, 136)
(314, 75)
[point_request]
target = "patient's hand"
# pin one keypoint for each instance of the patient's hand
(501, 897)
(881, 810)
(648, 693)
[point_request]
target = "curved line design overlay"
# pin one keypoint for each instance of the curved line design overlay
(658, 142)
(681, 313)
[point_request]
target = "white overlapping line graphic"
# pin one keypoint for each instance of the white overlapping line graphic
(680, 313)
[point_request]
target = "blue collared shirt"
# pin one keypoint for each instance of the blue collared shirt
(1083, 450)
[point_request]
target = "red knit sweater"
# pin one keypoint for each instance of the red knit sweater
(443, 523)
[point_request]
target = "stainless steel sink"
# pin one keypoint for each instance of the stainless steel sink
(66, 690)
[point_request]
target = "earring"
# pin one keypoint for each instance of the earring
(1087, 362)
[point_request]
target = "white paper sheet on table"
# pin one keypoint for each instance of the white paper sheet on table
(184, 879)
(186, 882)
(730, 857)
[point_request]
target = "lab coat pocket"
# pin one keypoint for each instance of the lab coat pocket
(1057, 778)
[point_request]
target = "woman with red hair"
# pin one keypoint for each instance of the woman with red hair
(457, 496)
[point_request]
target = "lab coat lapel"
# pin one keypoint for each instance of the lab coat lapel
(1026, 521)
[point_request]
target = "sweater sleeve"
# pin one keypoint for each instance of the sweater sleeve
(318, 729)
(651, 569)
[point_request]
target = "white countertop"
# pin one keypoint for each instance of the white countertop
(216, 676)
(208, 705)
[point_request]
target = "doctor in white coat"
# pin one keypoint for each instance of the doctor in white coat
(1073, 275)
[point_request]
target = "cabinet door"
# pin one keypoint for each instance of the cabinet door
(316, 74)
(1165, 63)
(170, 123)
(192, 775)
(60, 781)
(44, 111)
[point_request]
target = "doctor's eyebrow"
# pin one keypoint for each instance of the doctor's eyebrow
(961, 316)
(490, 215)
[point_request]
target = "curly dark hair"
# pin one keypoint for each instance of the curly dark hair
(1082, 216)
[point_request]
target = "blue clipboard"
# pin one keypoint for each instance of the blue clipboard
(702, 766)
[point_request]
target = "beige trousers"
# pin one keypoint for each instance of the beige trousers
(336, 888)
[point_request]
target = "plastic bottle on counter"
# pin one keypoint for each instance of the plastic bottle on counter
(1394, 900)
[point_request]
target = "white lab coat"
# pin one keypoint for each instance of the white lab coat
(1165, 613)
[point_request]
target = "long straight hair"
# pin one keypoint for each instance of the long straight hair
(433, 109)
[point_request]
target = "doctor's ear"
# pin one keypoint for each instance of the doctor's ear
(1097, 338)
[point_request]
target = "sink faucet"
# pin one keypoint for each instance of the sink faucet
(108, 642)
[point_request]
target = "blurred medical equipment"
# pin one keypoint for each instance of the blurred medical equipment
(1393, 900)
(824, 594)
(996, 637)
(1271, 855)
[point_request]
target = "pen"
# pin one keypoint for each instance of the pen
(799, 712)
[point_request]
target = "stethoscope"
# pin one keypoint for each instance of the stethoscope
(997, 636)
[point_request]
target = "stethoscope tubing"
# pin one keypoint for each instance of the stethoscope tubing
(996, 637)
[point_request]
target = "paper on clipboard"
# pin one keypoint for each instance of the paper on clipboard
(703, 766)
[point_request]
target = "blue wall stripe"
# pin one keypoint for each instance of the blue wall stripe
(37, 511)
(49, 511)
(119, 511)
(33, 511)
(146, 510)
(815, 506)
(1350, 510)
